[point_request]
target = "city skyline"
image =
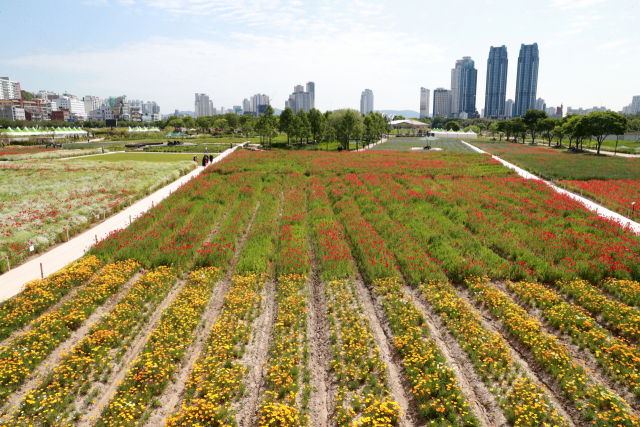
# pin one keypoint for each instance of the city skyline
(199, 38)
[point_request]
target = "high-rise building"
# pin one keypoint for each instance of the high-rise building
(635, 105)
(311, 88)
(540, 104)
(550, 111)
(424, 102)
(45, 94)
(366, 102)
(92, 103)
(527, 79)
(301, 100)
(508, 108)
(559, 112)
(496, 90)
(256, 101)
(464, 80)
(10, 89)
(204, 106)
(246, 105)
(441, 102)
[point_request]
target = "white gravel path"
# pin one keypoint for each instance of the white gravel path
(599, 209)
(13, 281)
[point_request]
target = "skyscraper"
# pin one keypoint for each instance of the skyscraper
(527, 80)
(204, 106)
(540, 104)
(464, 79)
(301, 100)
(496, 89)
(508, 108)
(441, 102)
(424, 102)
(366, 102)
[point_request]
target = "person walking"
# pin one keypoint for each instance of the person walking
(210, 158)
(204, 161)
(195, 159)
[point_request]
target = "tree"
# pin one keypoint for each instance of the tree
(329, 133)
(286, 118)
(203, 123)
(27, 96)
(481, 127)
(454, 126)
(634, 125)
(221, 124)
(501, 127)
(620, 126)
(399, 117)
(188, 122)
(600, 124)
(266, 124)
(247, 126)
(175, 123)
(438, 122)
(558, 133)
(546, 126)
(531, 119)
(233, 120)
(316, 120)
(518, 126)
(305, 127)
(493, 129)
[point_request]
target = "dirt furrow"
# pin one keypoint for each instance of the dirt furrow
(256, 356)
(51, 361)
(480, 398)
(583, 356)
(321, 402)
(396, 377)
(175, 392)
(119, 372)
(525, 359)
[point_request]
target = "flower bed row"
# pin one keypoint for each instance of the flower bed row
(94, 356)
(619, 316)
(24, 352)
(627, 290)
(39, 295)
(434, 384)
(618, 358)
(523, 402)
(152, 371)
(597, 405)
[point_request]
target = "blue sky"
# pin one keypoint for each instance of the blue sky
(166, 50)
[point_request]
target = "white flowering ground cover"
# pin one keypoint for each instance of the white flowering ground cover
(49, 154)
(41, 200)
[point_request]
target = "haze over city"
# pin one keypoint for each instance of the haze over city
(167, 50)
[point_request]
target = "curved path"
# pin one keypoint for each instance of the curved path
(599, 209)
(12, 281)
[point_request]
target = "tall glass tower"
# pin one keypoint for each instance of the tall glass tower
(496, 90)
(464, 80)
(527, 81)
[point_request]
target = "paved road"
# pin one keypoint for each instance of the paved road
(12, 281)
(599, 209)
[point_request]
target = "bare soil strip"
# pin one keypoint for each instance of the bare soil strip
(175, 392)
(582, 356)
(51, 361)
(524, 358)
(120, 371)
(256, 356)
(396, 377)
(322, 401)
(480, 398)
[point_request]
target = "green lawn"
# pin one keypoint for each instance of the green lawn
(405, 144)
(141, 157)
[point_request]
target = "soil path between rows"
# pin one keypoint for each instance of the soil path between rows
(106, 393)
(481, 400)
(584, 357)
(175, 392)
(525, 359)
(396, 376)
(55, 357)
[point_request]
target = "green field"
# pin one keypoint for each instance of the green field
(405, 144)
(141, 157)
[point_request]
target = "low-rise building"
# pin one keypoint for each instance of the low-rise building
(12, 112)
(61, 115)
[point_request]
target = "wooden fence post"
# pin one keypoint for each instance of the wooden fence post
(41, 271)
(8, 265)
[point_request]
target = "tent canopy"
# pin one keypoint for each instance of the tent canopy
(407, 124)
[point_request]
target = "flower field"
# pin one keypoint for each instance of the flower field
(345, 289)
(41, 202)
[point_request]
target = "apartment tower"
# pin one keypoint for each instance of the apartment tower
(496, 90)
(527, 79)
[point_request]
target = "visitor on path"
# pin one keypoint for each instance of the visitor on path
(195, 158)
(210, 158)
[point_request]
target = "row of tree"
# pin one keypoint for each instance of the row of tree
(576, 128)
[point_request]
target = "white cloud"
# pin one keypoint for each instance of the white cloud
(575, 4)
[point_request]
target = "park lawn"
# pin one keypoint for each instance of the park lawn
(405, 144)
(140, 157)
